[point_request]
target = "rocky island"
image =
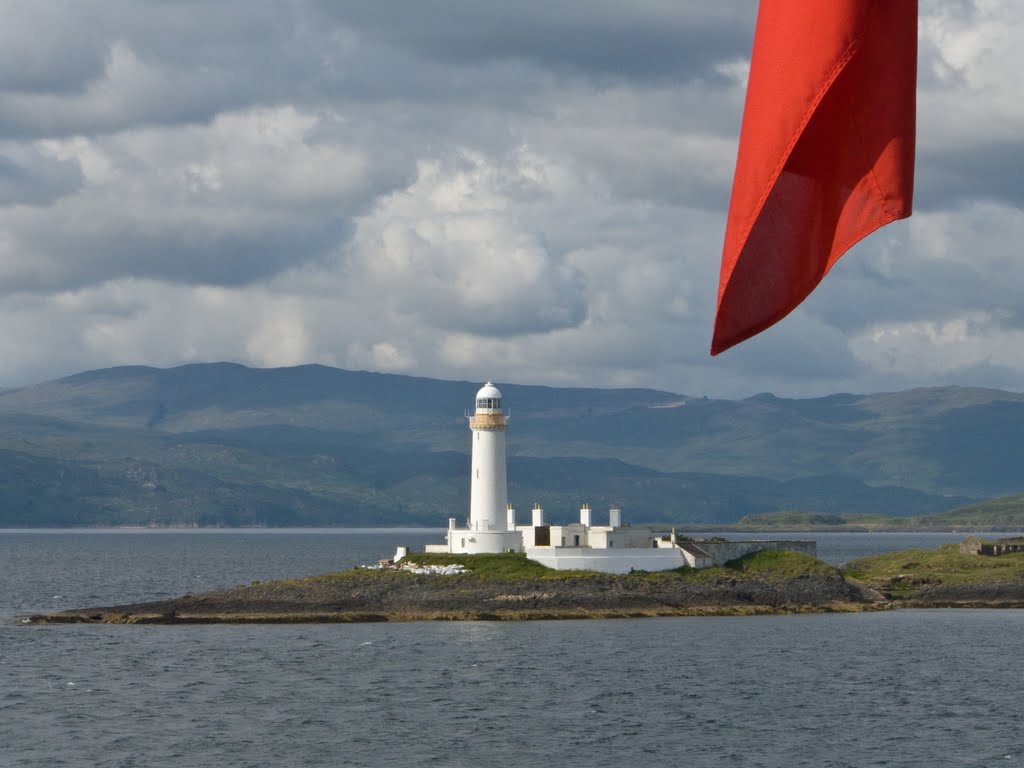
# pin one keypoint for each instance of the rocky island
(511, 587)
(506, 587)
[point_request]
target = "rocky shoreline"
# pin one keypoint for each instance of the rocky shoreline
(766, 583)
(363, 596)
(1008, 594)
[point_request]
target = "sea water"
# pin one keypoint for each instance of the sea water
(902, 688)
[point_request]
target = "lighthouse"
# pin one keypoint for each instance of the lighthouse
(586, 545)
(488, 497)
(491, 526)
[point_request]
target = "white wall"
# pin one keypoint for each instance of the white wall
(488, 484)
(606, 560)
(468, 542)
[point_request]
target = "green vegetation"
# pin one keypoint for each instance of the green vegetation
(503, 567)
(1006, 512)
(944, 564)
(779, 565)
(769, 564)
(903, 574)
(791, 519)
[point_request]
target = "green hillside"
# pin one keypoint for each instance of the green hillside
(311, 445)
(1006, 512)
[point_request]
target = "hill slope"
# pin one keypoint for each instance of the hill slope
(222, 443)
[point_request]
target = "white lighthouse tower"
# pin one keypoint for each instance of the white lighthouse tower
(488, 497)
(489, 529)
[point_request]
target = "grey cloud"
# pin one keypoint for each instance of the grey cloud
(993, 375)
(560, 307)
(932, 268)
(39, 181)
(193, 60)
(186, 252)
(992, 170)
(642, 40)
(799, 347)
(48, 47)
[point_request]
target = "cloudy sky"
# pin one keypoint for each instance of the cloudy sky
(532, 192)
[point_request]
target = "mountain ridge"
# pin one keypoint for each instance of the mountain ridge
(227, 444)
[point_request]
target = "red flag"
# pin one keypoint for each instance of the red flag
(826, 152)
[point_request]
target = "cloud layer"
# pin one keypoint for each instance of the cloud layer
(531, 192)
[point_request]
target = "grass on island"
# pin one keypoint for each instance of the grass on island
(780, 564)
(767, 564)
(498, 567)
(943, 565)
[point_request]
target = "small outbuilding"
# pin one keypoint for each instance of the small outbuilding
(972, 545)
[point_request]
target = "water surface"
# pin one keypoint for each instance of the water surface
(906, 688)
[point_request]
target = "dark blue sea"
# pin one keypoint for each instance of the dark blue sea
(905, 688)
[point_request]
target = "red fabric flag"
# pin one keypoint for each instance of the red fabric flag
(826, 153)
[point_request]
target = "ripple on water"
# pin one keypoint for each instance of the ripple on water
(902, 689)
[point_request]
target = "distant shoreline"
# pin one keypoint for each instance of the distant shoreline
(965, 530)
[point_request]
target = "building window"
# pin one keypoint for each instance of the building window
(478, 474)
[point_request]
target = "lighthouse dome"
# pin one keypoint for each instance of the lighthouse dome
(488, 390)
(488, 399)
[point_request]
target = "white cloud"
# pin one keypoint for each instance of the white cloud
(453, 251)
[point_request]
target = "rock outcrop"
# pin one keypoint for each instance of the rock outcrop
(389, 596)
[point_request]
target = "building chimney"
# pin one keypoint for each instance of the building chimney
(538, 515)
(511, 512)
(615, 517)
(585, 516)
